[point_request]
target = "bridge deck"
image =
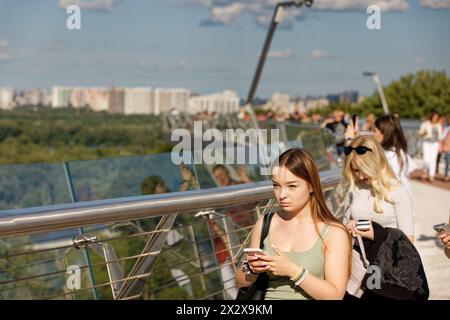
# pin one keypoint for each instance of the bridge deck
(432, 206)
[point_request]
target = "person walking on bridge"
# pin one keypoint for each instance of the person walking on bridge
(307, 250)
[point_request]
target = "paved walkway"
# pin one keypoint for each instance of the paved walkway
(432, 206)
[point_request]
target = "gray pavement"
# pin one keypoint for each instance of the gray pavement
(432, 206)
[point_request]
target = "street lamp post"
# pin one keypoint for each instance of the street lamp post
(377, 81)
(277, 18)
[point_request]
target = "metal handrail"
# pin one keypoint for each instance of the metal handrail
(33, 220)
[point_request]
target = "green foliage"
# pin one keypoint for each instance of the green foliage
(414, 95)
(57, 135)
(19, 274)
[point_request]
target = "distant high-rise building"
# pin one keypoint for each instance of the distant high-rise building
(348, 97)
(138, 101)
(79, 98)
(61, 96)
(98, 99)
(280, 103)
(6, 98)
(36, 97)
(116, 100)
(333, 98)
(222, 103)
(281, 100)
(166, 100)
(314, 104)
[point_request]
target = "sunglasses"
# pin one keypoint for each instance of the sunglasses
(358, 150)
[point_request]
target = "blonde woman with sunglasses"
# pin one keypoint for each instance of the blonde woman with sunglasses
(374, 192)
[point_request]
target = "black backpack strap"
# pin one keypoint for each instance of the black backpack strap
(265, 228)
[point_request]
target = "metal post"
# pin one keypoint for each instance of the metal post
(262, 57)
(276, 19)
(197, 255)
(80, 230)
(376, 79)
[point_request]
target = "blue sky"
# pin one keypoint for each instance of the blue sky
(211, 45)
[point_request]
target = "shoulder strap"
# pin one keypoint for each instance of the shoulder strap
(363, 251)
(265, 228)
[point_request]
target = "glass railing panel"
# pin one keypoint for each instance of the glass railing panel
(127, 176)
(32, 185)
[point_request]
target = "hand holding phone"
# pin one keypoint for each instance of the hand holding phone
(442, 227)
(255, 251)
(363, 225)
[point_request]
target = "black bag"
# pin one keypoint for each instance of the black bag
(257, 290)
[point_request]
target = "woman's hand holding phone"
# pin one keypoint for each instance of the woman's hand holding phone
(257, 265)
(363, 228)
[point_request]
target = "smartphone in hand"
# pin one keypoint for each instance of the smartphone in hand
(363, 225)
(442, 227)
(255, 251)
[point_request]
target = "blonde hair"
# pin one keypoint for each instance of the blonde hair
(374, 165)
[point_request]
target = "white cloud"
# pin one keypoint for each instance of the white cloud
(100, 5)
(346, 5)
(280, 53)
(226, 12)
(435, 4)
(4, 43)
(4, 56)
(320, 54)
(205, 3)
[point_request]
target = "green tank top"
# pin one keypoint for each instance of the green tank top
(282, 288)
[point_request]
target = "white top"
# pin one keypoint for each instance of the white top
(408, 167)
(398, 215)
(433, 131)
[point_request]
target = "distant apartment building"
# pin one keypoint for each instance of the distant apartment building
(280, 103)
(166, 100)
(98, 99)
(347, 97)
(299, 106)
(139, 101)
(95, 98)
(221, 103)
(79, 98)
(34, 97)
(6, 98)
(116, 100)
(315, 104)
(61, 96)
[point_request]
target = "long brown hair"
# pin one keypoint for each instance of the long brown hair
(393, 137)
(301, 163)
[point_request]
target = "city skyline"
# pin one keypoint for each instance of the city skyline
(213, 45)
(147, 100)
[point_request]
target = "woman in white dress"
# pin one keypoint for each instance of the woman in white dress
(431, 133)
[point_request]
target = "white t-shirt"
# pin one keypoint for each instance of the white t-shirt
(408, 167)
(398, 215)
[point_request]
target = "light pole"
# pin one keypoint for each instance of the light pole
(377, 81)
(277, 18)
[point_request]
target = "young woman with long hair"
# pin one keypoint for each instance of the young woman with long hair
(374, 192)
(389, 134)
(308, 251)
